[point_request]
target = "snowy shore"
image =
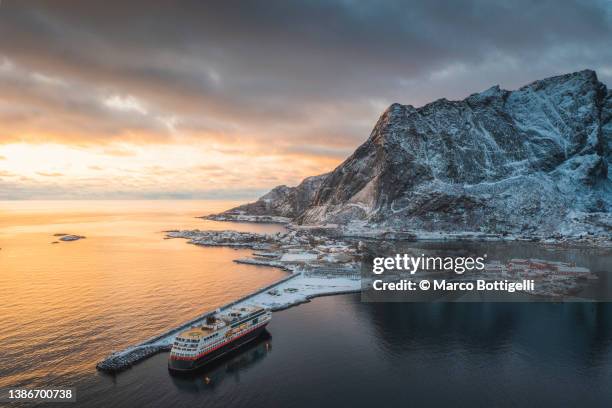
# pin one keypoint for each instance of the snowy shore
(258, 219)
(321, 261)
(357, 229)
(290, 291)
(317, 267)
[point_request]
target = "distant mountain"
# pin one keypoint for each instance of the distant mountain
(531, 161)
(283, 201)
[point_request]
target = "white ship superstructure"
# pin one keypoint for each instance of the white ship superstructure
(223, 332)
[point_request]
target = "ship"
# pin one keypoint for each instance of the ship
(222, 333)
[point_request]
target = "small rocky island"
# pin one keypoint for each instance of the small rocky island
(67, 237)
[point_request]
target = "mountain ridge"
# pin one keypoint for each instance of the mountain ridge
(532, 161)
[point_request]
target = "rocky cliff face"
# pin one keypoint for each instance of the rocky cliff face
(533, 161)
(283, 201)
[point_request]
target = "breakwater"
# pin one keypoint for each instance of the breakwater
(124, 359)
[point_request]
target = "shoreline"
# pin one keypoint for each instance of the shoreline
(324, 268)
(362, 232)
(289, 291)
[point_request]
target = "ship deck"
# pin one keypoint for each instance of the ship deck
(196, 332)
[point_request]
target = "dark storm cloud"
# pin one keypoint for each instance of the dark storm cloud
(293, 72)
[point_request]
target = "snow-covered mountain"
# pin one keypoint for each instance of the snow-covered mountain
(532, 161)
(283, 201)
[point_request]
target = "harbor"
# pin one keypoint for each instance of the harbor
(320, 265)
(298, 287)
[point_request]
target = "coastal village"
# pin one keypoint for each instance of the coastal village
(552, 279)
(333, 258)
(320, 263)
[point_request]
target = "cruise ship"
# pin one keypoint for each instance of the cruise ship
(223, 332)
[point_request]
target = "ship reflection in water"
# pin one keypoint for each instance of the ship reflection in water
(337, 351)
(231, 365)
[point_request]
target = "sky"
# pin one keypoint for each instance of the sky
(225, 100)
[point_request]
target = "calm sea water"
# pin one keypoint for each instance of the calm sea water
(339, 352)
(335, 351)
(65, 306)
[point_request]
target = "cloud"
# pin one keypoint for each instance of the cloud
(302, 80)
(47, 80)
(49, 174)
(118, 151)
(125, 103)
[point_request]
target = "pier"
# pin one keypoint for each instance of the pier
(299, 287)
(121, 360)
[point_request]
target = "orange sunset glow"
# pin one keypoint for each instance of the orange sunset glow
(306, 203)
(216, 101)
(128, 147)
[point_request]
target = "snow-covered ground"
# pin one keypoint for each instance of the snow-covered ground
(289, 291)
(303, 288)
(258, 219)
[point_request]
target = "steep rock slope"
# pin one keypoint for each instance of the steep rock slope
(534, 161)
(282, 201)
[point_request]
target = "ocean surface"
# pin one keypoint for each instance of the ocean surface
(338, 352)
(66, 305)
